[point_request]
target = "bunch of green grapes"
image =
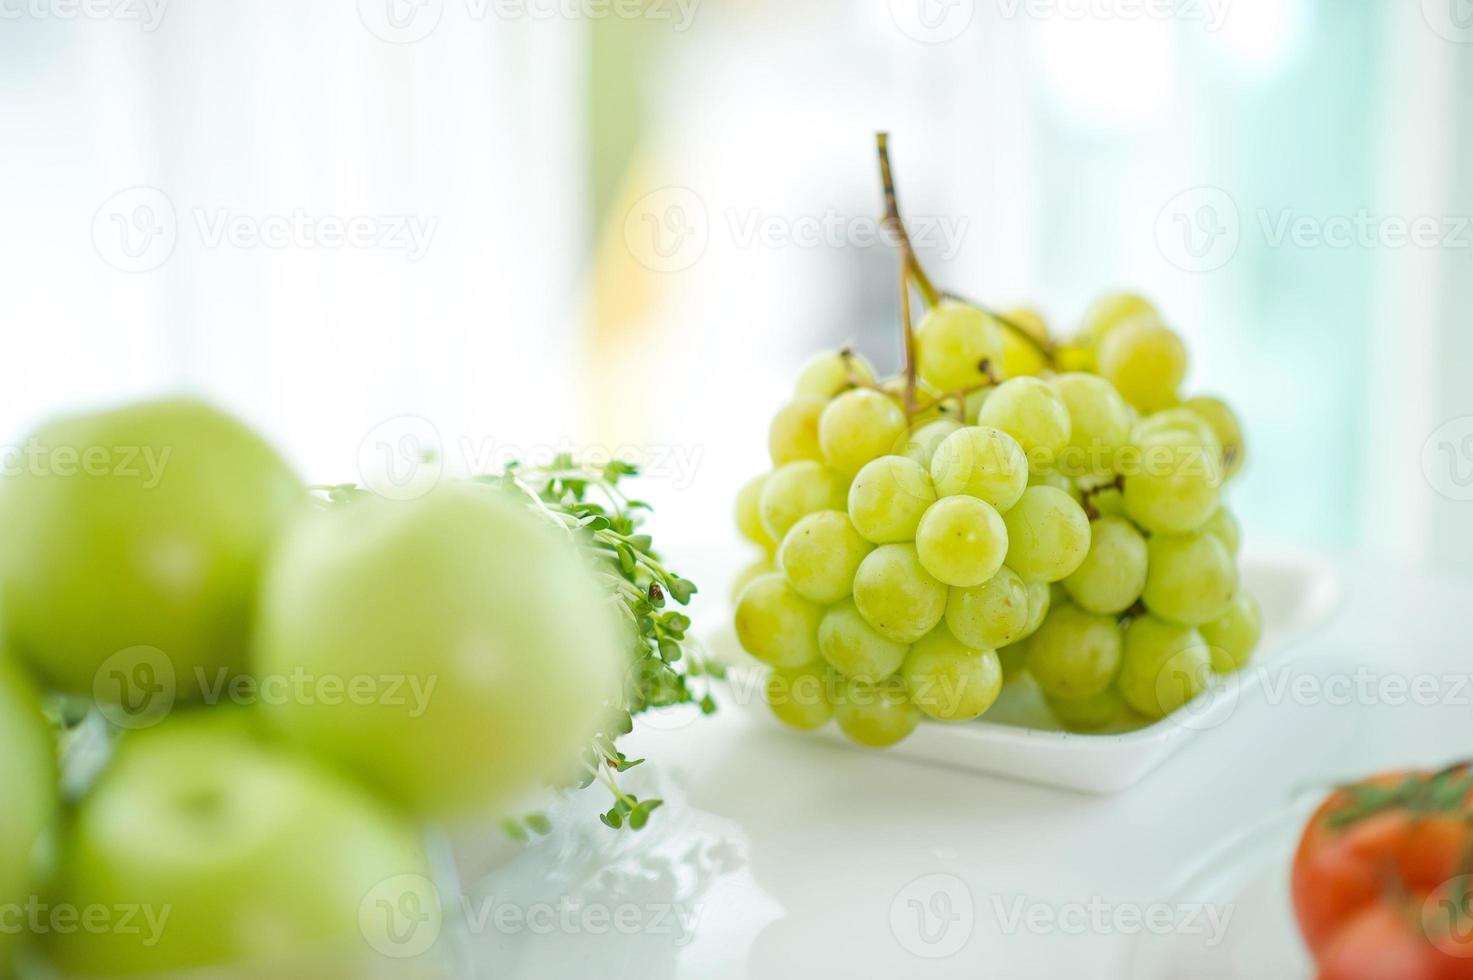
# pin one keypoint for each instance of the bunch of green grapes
(1008, 504)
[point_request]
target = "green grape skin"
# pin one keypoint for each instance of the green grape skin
(820, 555)
(1179, 420)
(749, 513)
(876, 715)
(859, 426)
(949, 680)
(991, 615)
(1233, 636)
(794, 490)
(1224, 527)
(799, 699)
(1034, 414)
(1055, 479)
(777, 625)
(896, 595)
(1164, 666)
(1075, 654)
(1145, 361)
(793, 434)
(1014, 660)
(854, 648)
(1113, 309)
(1099, 424)
(1106, 500)
(1020, 356)
(746, 575)
(1174, 486)
(888, 498)
(981, 462)
(827, 374)
(1105, 710)
(955, 344)
(1048, 535)
(1040, 598)
(1191, 578)
(1225, 425)
(1113, 573)
(924, 440)
(961, 541)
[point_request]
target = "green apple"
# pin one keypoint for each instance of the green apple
(202, 845)
(28, 775)
(139, 527)
(482, 649)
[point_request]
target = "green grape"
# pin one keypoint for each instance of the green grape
(794, 490)
(777, 625)
(1174, 486)
(827, 374)
(1040, 598)
(1033, 413)
(1164, 666)
(1113, 574)
(1145, 361)
(859, 426)
(1233, 636)
(1106, 709)
(1013, 658)
(1223, 526)
(876, 715)
(1099, 424)
(1107, 500)
(991, 615)
(1021, 356)
(798, 697)
(1112, 310)
(1075, 654)
(746, 575)
(956, 344)
(793, 434)
(749, 513)
(1055, 479)
(981, 462)
(1180, 420)
(854, 648)
(820, 555)
(961, 541)
(1191, 578)
(1224, 422)
(949, 680)
(1048, 534)
(924, 439)
(896, 595)
(888, 497)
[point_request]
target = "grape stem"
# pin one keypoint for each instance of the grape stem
(913, 273)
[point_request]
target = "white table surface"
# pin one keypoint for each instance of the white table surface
(795, 858)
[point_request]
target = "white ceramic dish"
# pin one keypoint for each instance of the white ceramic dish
(1298, 592)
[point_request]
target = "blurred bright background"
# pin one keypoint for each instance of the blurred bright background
(521, 225)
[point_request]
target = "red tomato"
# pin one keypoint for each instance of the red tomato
(1383, 878)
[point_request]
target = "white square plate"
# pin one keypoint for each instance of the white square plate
(1016, 738)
